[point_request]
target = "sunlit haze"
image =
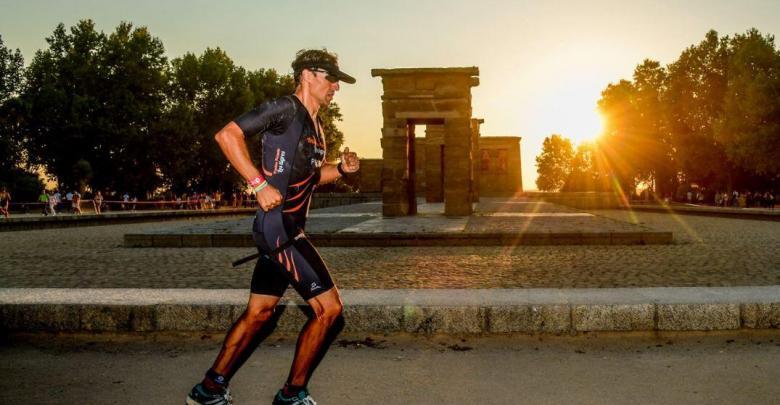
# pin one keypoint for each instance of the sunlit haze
(542, 65)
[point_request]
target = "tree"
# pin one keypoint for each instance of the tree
(94, 98)
(636, 145)
(554, 163)
(11, 76)
(61, 98)
(11, 71)
(694, 98)
(206, 92)
(620, 154)
(655, 161)
(131, 64)
(586, 174)
(14, 171)
(334, 138)
(749, 128)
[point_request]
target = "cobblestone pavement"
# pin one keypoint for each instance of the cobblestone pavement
(707, 252)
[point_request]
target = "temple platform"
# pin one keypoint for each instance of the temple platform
(495, 222)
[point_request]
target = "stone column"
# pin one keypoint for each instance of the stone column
(475, 134)
(434, 163)
(395, 165)
(457, 160)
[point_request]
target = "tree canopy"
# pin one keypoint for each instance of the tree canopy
(112, 112)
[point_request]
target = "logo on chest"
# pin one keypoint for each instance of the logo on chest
(317, 151)
(279, 161)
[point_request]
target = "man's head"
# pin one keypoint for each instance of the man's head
(319, 71)
(319, 60)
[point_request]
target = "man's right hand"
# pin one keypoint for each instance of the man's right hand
(268, 198)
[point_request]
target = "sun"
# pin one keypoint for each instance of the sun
(583, 122)
(570, 110)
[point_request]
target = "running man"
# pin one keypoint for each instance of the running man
(293, 164)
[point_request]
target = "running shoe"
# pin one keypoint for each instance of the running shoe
(303, 398)
(200, 396)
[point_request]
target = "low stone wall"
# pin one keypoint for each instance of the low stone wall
(579, 200)
(324, 200)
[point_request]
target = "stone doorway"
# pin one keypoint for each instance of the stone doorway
(439, 98)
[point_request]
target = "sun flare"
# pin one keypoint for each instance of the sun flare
(569, 109)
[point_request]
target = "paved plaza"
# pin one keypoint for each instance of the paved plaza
(706, 251)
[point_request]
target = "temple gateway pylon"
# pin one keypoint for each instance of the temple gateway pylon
(439, 98)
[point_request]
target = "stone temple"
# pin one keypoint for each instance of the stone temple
(452, 163)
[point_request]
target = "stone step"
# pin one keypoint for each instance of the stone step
(484, 311)
(388, 239)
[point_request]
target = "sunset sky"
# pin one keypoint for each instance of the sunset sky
(542, 64)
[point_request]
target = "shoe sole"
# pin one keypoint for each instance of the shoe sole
(190, 401)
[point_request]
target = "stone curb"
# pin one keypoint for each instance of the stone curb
(487, 311)
(739, 213)
(113, 218)
(387, 239)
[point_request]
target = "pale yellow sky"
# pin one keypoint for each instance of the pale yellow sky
(542, 64)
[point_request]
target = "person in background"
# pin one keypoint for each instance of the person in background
(52, 201)
(76, 202)
(43, 198)
(97, 201)
(5, 202)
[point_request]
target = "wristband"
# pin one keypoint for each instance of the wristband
(259, 187)
(341, 170)
(256, 181)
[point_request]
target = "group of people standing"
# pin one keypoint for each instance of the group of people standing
(745, 199)
(199, 201)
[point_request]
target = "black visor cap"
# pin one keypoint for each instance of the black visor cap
(334, 71)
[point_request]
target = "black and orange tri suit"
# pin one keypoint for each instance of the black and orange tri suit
(293, 151)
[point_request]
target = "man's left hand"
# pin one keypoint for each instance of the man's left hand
(349, 161)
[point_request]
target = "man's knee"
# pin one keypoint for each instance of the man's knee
(329, 311)
(259, 314)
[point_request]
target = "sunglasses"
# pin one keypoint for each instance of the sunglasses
(328, 76)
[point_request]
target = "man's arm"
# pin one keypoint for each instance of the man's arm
(349, 164)
(231, 141)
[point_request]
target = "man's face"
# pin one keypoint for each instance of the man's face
(323, 86)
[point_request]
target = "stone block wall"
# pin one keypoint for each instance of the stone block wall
(502, 173)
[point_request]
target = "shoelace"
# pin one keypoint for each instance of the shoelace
(308, 401)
